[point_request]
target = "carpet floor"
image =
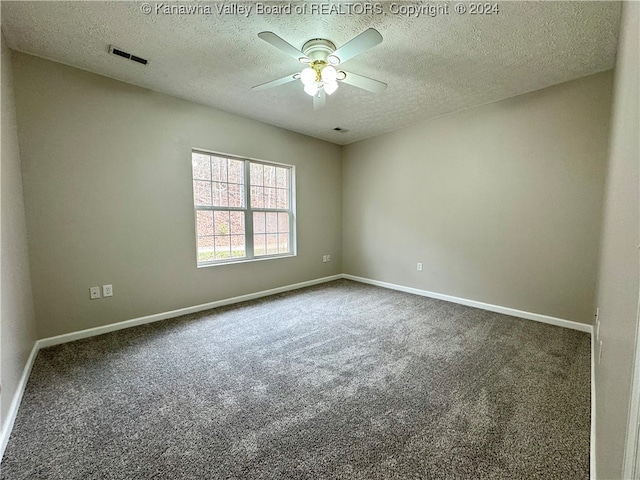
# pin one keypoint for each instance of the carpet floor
(337, 381)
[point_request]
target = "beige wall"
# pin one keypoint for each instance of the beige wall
(501, 203)
(619, 279)
(107, 178)
(17, 323)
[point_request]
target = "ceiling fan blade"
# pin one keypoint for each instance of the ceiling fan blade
(275, 83)
(363, 82)
(283, 46)
(319, 100)
(366, 40)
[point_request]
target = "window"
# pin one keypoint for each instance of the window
(236, 223)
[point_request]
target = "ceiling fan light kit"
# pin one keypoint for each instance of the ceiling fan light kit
(320, 77)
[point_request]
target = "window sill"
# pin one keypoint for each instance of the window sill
(244, 260)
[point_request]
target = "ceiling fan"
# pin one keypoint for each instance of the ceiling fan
(320, 77)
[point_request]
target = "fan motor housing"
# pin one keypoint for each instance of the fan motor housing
(318, 49)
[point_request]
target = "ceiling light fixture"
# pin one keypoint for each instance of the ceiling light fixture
(320, 77)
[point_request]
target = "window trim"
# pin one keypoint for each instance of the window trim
(248, 211)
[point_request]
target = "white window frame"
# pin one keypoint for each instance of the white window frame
(248, 211)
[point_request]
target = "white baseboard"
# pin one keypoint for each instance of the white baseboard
(514, 313)
(560, 322)
(631, 459)
(592, 443)
(91, 332)
(17, 398)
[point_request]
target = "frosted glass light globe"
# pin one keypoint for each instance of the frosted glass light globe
(311, 89)
(308, 76)
(329, 74)
(329, 88)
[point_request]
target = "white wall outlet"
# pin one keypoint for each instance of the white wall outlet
(94, 292)
(419, 266)
(107, 290)
(326, 258)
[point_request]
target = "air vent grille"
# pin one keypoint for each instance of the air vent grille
(127, 55)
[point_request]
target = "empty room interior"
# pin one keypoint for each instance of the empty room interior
(320, 240)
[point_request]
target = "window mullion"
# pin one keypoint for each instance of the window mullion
(248, 216)
(219, 209)
(291, 211)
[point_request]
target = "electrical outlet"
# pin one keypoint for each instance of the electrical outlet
(107, 290)
(326, 258)
(94, 292)
(419, 267)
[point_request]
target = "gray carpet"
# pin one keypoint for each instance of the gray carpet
(337, 381)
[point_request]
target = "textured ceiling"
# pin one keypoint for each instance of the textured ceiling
(433, 65)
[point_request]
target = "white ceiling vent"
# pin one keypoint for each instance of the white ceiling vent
(121, 53)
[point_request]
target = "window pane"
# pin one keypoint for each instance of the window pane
(269, 176)
(220, 194)
(236, 195)
(270, 198)
(283, 198)
(237, 246)
(272, 222)
(257, 197)
(283, 222)
(283, 243)
(223, 246)
(236, 171)
(259, 245)
(201, 193)
(219, 169)
(205, 243)
(204, 223)
(256, 173)
(237, 222)
(223, 242)
(282, 177)
(259, 222)
(207, 256)
(206, 251)
(221, 221)
(201, 166)
(272, 244)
